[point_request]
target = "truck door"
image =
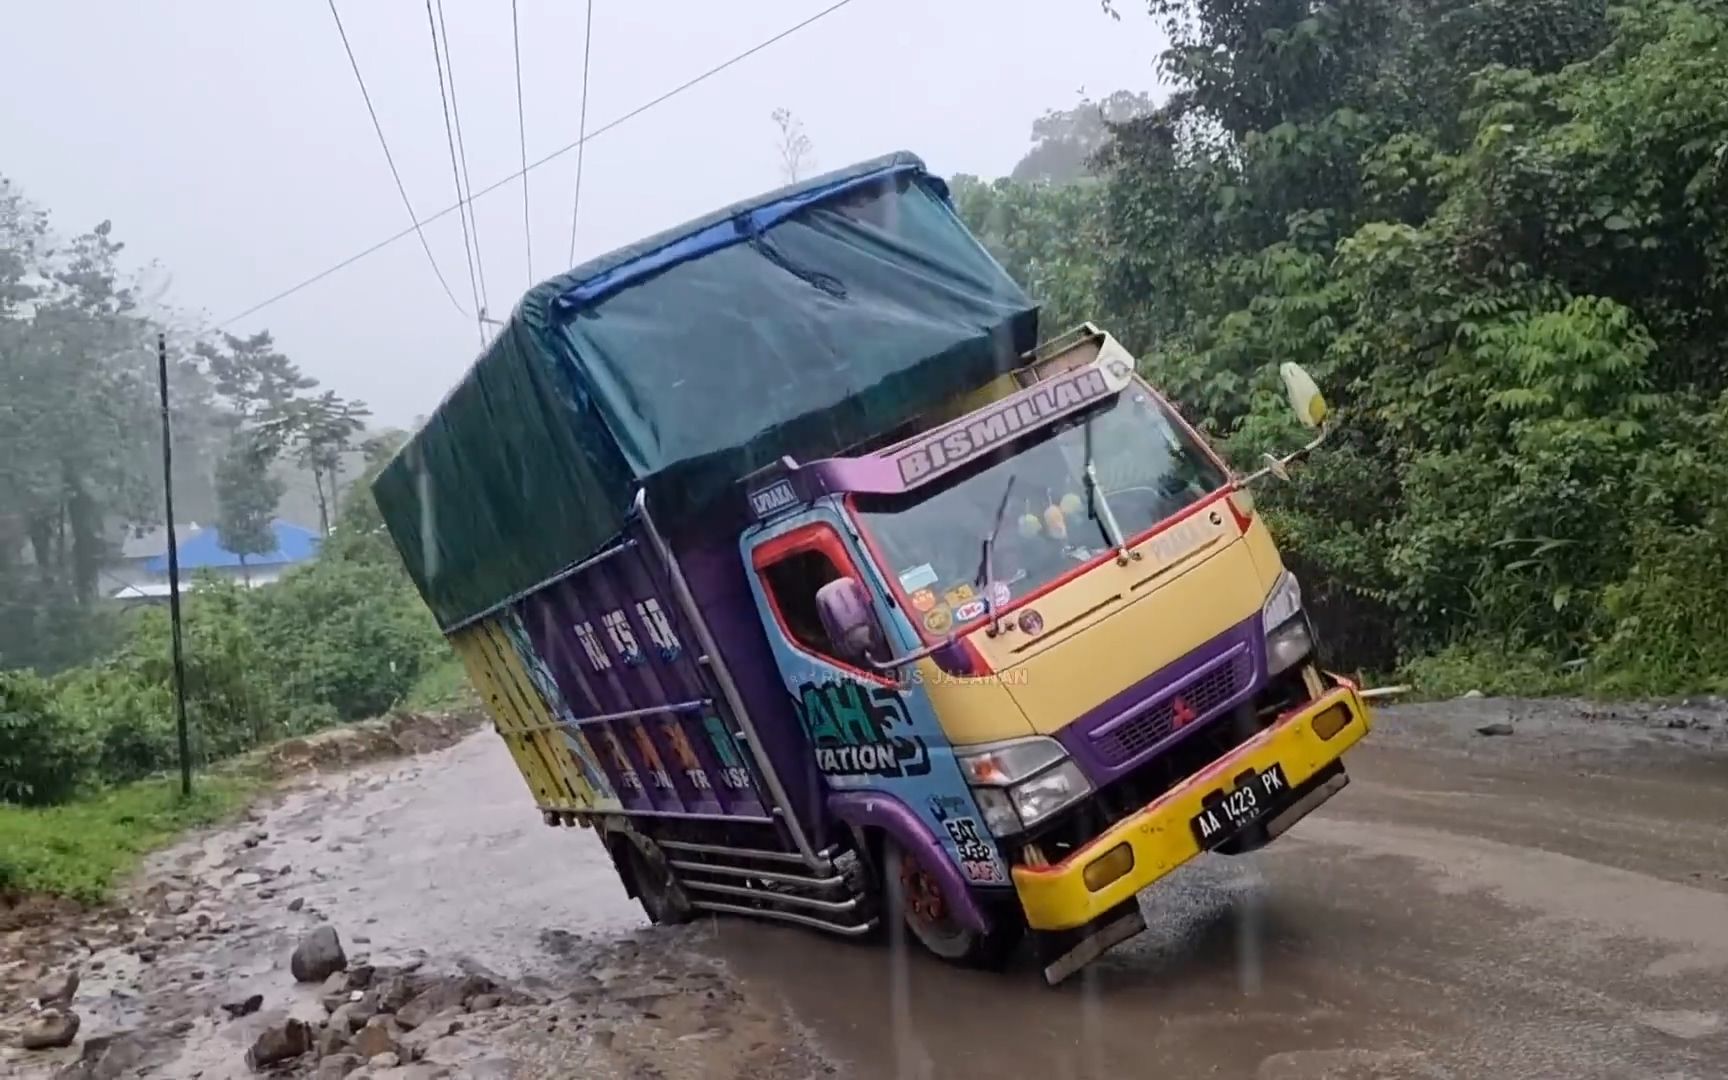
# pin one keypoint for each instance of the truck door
(866, 732)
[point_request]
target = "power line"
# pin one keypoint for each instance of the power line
(456, 177)
(581, 134)
(532, 165)
(462, 149)
(522, 142)
(391, 161)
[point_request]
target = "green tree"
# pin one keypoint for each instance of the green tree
(1495, 230)
(247, 495)
(323, 429)
(77, 413)
(1065, 142)
(79, 430)
(1047, 236)
(258, 381)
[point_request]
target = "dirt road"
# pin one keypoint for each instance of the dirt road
(1553, 903)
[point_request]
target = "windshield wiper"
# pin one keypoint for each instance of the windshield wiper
(1098, 507)
(986, 576)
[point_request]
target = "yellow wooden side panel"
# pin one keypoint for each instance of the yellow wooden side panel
(524, 721)
(539, 731)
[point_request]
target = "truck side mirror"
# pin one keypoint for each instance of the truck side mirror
(952, 659)
(844, 607)
(1305, 396)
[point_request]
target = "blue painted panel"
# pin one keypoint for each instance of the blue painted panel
(867, 736)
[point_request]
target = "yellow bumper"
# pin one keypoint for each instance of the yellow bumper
(1058, 898)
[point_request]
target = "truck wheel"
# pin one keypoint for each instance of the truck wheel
(916, 895)
(662, 900)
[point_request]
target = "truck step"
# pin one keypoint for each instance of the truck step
(727, 851)
(778, 877)
(846, 929)
(773, 884)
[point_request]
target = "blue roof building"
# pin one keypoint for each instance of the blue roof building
(204, 551)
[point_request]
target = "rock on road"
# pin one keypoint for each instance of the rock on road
(1549, 904)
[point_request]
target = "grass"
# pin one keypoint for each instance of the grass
(1459, 669)
(84, 848)
(443, 685)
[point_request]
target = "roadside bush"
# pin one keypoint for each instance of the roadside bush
(45, 752)
(234, 698)
(341, 639)
(350, 637)
(131, 720)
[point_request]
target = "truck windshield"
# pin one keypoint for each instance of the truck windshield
(1148, 466)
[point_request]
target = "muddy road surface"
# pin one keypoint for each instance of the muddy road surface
(1549, 903)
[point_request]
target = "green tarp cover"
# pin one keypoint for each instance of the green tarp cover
(801, 323)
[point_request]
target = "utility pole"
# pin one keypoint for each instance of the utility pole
(173, 567)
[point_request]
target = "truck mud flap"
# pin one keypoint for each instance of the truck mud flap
(1320, 789)
(1061, 953)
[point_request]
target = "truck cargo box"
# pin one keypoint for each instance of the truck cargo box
(800, 322)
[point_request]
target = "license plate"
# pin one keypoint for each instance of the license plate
(1229, 812)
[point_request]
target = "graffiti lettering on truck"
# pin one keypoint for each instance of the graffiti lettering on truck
(854, 731)
(733, 772)
(977, 856)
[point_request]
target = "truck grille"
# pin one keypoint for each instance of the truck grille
(1202, 699)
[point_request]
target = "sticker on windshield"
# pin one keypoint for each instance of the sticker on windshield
(918, 577)
(1000, 594)
(938, 621)
(923, 600)
(959, 595)
(968, 612)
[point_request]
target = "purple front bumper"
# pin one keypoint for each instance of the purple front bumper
(1171, 704)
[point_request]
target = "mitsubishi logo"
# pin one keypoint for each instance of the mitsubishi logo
(1183, 712)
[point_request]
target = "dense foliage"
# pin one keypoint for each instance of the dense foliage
(80, 431)
(342, 638)
(85, 686)
(1497, 232)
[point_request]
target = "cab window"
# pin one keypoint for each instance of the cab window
(791, 582)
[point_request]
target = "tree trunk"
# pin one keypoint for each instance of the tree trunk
(60, 541)
(88, 548)
(41, 530)
(245, 571)
(323, 505)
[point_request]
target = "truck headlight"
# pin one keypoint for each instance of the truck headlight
(1020, 783)
(1049, 791)
(1000, 817)
(1004, 763)
(1289, 638)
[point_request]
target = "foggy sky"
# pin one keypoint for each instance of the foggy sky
(228, 141)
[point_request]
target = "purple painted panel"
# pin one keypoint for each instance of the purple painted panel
(1142, 721)
(843, 474)
(629, 679)
(581, 669)
(611, 642)
(715, 573)
(875, 810)
(655, 677)
(707, 736)
(614, 641)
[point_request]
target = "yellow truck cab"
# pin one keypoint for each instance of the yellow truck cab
(1107, 639)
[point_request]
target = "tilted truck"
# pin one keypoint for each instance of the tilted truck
(788, 562)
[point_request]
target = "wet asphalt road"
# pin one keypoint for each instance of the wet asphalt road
(1552, 904)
